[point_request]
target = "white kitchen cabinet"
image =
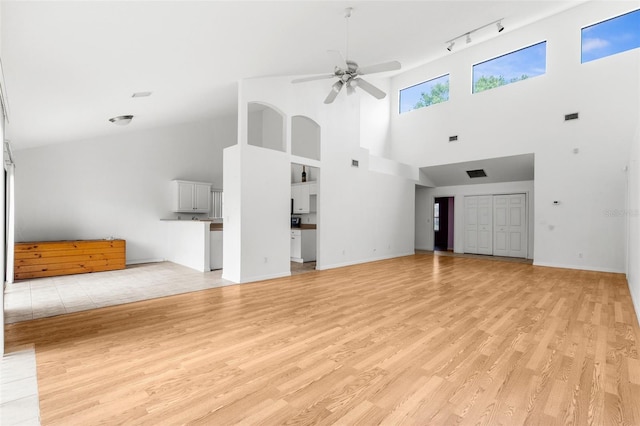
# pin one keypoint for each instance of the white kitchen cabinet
(304, 197)
(191, 197)
(300, 195)
(303, 245)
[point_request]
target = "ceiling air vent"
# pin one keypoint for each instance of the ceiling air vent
(476, 173)
(573, 116)
(453, 138)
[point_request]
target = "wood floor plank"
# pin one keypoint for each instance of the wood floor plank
(421, 339)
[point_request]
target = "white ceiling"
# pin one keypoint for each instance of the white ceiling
(503, 169)
(69, 66)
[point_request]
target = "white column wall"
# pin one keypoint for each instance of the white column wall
(632, 214)
(257, 188)
(232, 208)
(2, 236)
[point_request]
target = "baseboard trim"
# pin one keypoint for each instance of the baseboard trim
(579, 267)
(256, 278)
(141, 261)
(265, 277)
(358, 262)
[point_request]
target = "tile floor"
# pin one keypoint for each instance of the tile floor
(19, 403)
(46, 297)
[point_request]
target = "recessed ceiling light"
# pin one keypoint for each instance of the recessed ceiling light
(121, 120)
(141, 94)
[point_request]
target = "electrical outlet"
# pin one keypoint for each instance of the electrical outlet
(579, 255)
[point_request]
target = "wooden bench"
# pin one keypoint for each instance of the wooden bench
(54, 258)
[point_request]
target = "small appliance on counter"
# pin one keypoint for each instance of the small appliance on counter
(295, 221)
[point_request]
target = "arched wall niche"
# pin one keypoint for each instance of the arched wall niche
(265, 127)
(305, 137)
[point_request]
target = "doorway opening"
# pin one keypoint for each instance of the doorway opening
(443, 223)
(304, 209)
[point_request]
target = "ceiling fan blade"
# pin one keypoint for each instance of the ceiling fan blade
(370, 88)
(385, 66)
(338, 59)
(313, 78)
(335, 89)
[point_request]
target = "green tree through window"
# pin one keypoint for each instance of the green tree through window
(424, 94)
(487, 82)
(519, 65)
(438, 93)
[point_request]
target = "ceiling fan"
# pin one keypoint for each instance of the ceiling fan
(348, 72)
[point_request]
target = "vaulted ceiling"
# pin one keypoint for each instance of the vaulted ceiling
(69, 66)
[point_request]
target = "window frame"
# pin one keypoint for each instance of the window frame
(473, 83)
(582, 61)
(400, 112)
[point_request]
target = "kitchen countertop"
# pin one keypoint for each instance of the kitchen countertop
(214, 224)
(305, 226)
(192, 220)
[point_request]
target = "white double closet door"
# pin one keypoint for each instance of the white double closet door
(496, 225)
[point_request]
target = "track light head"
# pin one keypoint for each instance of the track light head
(450, 47)
(500, 26)
(468, 38)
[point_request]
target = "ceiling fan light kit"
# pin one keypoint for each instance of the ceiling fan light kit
(348, 72)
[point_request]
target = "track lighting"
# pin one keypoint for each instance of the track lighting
(467, 35)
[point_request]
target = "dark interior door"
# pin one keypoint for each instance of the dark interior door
(440, 223)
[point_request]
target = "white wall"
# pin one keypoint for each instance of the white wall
(424, 210)
(232, 215)
(362, 215)
(527, 117)
(2, 219)
(116, 186)
(2, 234)
(632, 213)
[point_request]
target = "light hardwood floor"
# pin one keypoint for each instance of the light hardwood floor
(422, 340)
